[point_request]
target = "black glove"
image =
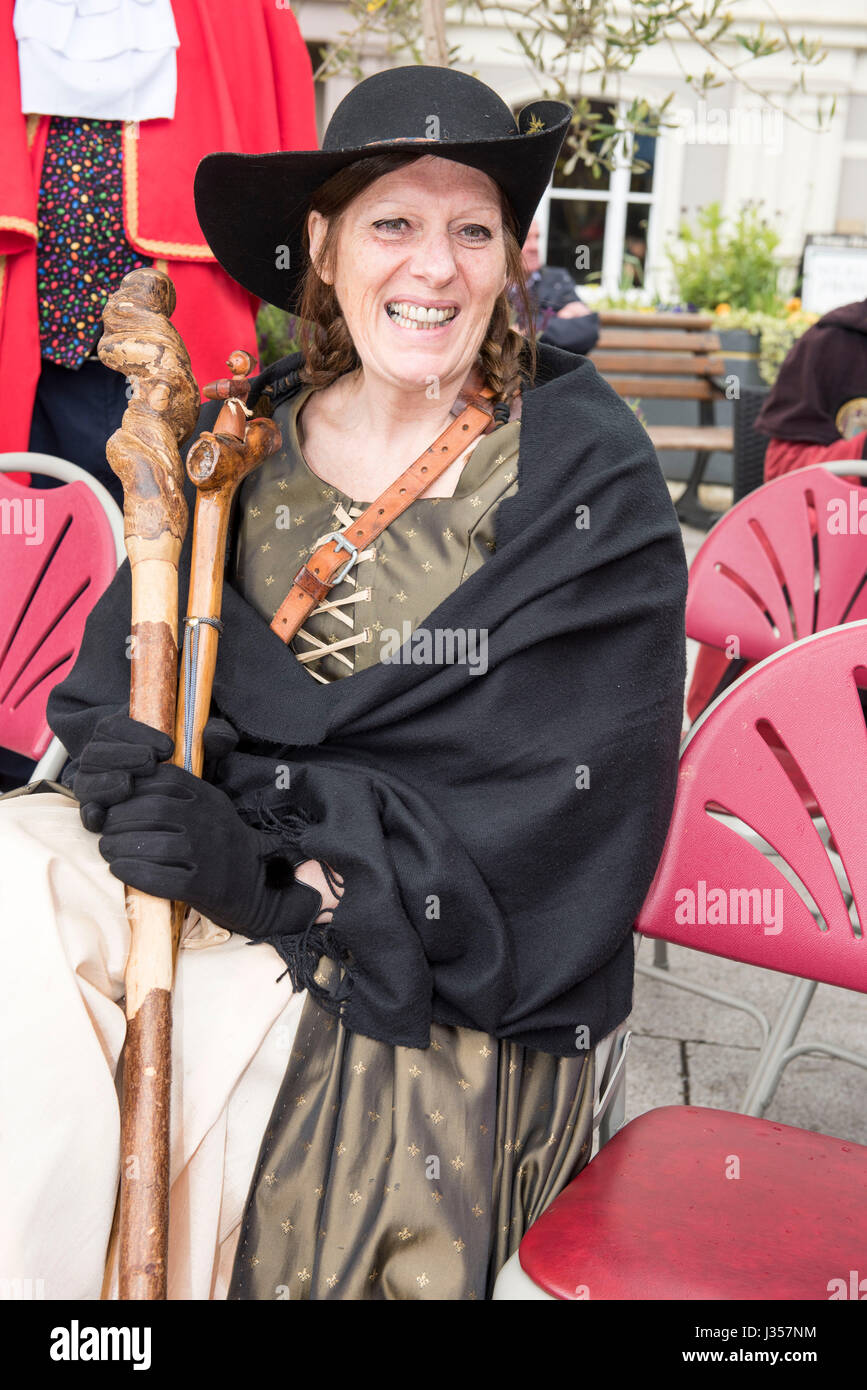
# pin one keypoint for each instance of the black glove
(122, 748)
(179, 837)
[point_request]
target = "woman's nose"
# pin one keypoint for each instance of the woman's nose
(434, 259)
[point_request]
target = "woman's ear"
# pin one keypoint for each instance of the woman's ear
(317, 226)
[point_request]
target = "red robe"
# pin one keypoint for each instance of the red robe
(244, 83)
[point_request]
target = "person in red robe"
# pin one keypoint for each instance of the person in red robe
(244, 82)
(84, 199)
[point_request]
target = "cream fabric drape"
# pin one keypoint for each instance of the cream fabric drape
(64, 946)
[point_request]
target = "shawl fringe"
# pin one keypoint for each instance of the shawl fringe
(302, 952)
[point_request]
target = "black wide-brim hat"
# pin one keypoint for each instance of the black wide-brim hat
(252, 208)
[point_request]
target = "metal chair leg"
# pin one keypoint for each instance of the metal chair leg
(717, 995)
(768, 1069)
(660, 955)
(610, 1085)
(615, 1116)
(822, 1049)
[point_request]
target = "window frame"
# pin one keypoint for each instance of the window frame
(618, 196)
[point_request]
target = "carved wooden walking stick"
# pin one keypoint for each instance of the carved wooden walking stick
(144, 453)
(140, 342)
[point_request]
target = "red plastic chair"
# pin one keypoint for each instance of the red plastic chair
(693, 1203)
(789, 559)
(59, 550)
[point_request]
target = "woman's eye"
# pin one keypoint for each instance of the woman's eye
(476, 233)
(391, 224)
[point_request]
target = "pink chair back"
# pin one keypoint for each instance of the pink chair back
(57, 556)
(716, 892)
(787, 560)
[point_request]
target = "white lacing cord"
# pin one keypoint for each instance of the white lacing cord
(321, 649)
(327, 648)
(342, 516)
(334, 606)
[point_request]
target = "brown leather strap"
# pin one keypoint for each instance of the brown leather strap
(474, 416)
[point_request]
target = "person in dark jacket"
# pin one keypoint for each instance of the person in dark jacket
(561, 317)
(816, 411)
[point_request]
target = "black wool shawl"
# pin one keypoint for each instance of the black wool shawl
(497, 831)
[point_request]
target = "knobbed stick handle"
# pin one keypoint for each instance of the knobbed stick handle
(240, 364)
(217, 464)
(140, 342)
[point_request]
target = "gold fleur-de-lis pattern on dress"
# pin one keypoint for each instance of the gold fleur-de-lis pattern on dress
(422, 557)
(476, 1199)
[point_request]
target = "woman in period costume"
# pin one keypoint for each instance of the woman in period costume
(467, 754)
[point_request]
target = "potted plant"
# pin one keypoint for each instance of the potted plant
(775, 332)
(277, 334)
(734, 274)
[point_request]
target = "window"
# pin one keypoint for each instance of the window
(598, 228)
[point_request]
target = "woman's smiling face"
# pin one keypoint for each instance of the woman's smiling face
(419, 263)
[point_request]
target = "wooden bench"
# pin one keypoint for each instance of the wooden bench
(673, 357)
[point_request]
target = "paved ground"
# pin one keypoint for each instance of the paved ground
(687, 1049)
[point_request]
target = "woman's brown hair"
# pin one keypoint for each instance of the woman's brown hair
(328, 348)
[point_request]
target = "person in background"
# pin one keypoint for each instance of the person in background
(105, 112)
(562, 319)
(634, 257)
(816, 412)
(817, 409)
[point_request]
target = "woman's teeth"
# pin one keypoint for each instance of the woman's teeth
(417, 315)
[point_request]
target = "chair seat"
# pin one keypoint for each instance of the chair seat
(655, 1216)
(709, 437)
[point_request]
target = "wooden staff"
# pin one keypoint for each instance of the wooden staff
(217, 464)
(140, 342)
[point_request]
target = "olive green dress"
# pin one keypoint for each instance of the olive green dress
(390, 1172)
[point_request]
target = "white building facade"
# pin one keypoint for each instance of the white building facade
(739, 145)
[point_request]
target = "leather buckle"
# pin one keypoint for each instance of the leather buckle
(342, 544)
